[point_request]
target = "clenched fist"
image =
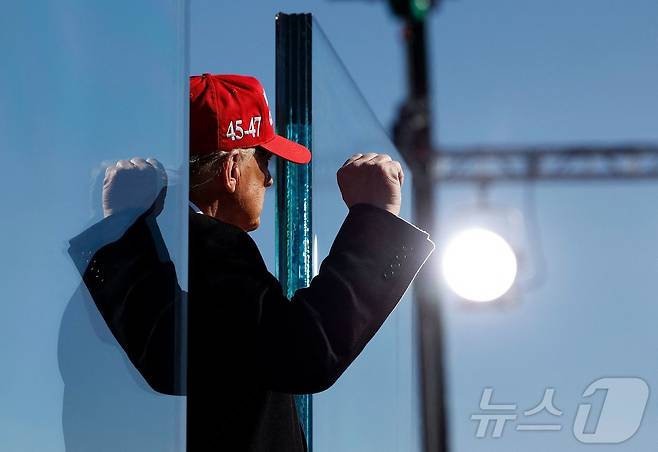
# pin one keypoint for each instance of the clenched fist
(134, 184)
(373, 179)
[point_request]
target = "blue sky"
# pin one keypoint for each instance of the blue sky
(87, 83)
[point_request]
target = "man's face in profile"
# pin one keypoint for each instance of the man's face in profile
(255, 178)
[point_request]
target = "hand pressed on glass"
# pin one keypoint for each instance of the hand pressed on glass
(135, 184)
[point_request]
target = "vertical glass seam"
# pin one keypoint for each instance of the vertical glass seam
(293, 206)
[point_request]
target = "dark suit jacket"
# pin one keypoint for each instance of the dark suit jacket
(249, 347)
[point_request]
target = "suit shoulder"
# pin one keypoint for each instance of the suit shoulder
(209, 235)
(203, 225)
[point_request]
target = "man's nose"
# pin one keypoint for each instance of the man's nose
(268, 179)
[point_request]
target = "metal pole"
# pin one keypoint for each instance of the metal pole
(413, 137)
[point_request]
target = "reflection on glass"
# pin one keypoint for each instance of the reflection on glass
(92, 84)
(372, 406)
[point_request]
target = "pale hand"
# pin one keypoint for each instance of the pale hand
(135, 184)
(373, 179)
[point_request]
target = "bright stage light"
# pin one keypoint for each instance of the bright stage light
(479, 265)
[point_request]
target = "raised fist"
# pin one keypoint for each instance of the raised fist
(373, 179)
(134, 184)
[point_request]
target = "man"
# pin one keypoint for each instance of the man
(249, 347)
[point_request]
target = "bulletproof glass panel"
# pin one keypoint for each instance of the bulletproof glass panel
(84, 84)
(372, 406)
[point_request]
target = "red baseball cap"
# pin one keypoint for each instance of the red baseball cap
(231, 111)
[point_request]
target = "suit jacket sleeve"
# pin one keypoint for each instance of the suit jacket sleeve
(304, 344)
(242, 316)
(125, 266)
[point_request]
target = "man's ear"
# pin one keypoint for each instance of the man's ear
(231, 172)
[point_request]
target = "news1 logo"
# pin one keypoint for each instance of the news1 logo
(619, 417)
(621, 414)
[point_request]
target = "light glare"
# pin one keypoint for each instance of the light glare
(479, 265)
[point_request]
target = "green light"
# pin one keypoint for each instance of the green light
(414, 9)
(420, 8)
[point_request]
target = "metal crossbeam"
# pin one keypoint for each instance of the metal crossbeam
(581, 163)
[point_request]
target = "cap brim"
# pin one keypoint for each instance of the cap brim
(287, 149)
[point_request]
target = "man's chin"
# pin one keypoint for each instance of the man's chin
(253, 226)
